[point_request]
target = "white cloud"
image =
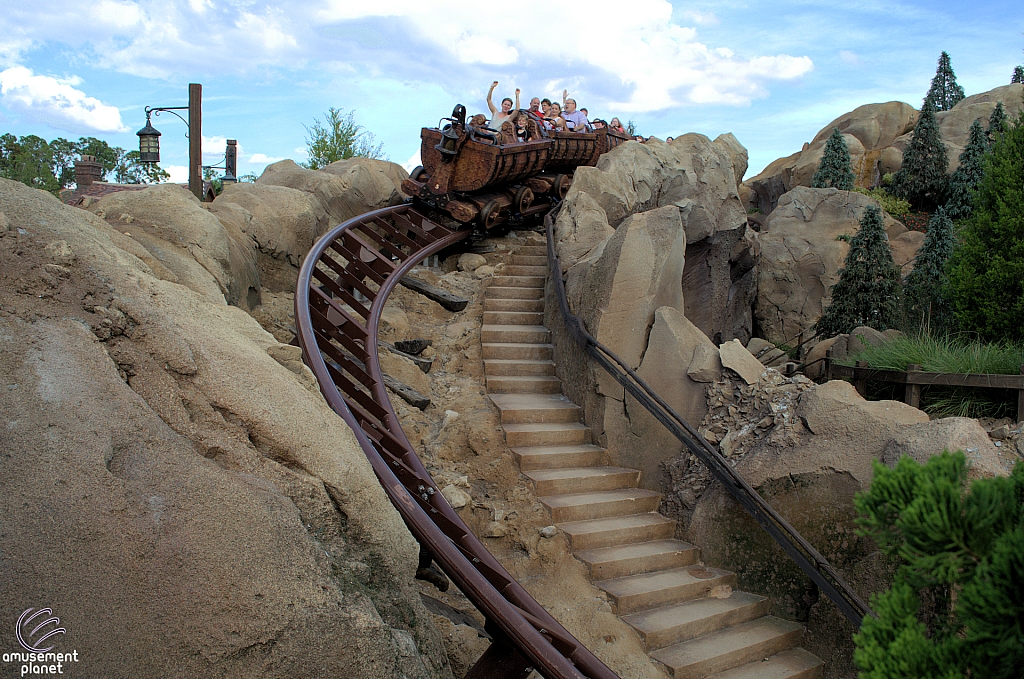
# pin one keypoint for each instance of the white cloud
(849, 57)
(56, 102)
(179, 173)
(702, 18)
(413, 161)
(262, 159)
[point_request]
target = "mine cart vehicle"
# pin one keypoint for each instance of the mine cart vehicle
(471, 176)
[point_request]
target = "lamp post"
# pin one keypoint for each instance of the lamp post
(149, 137)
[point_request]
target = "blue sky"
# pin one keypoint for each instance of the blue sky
(772, 73)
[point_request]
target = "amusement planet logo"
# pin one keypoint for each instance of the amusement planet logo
(35, 629)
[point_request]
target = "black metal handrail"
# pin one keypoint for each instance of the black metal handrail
(820, 571)
(343, 286)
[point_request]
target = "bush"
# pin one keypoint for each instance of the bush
(926, 287)
(868, 289)
(956, 607)
(896, 207)
(835, 170)
(987, 271)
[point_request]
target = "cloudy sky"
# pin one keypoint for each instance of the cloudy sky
(772, 73)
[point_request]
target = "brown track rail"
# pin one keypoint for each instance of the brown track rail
(817, 568)
(343, 285)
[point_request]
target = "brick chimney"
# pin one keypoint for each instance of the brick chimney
(87, 171)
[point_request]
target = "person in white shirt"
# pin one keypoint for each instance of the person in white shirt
(507, 113)
(575, 120)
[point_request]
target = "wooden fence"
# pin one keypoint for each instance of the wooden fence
(914, 378)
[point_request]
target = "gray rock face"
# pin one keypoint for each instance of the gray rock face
(801, 256)
(735, 357)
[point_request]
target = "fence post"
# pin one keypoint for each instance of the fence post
(859, 383)
(828, 364)
(1020, 401)
(912, 395)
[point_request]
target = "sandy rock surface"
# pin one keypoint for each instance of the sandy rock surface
(166, 469)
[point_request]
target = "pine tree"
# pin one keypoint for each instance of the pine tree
(1018, 75)
(922, 177)
(987, 270)
(868, 289)
(835, 170)
(966, 177)
(944, 93)
(925, 289)
(997, 122)
(962, 551)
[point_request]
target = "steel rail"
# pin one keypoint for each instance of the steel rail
(817, 568)
(343, 285)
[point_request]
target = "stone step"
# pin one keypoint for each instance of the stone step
(729, 648)
(525, 270)
(601, 504)
(530, 384)
(546, 434)
(517, 351)
(495, 291)
(513, 318)
(554, 457)
(660, 627)
(535, 408)
(521, 258)
(536, 282)
(637, 592)
(641, 557)
(498, 366)
(522, 334)
(581, 479)
(795, 663)
(617, 530)
(535, 305)
(533, 250)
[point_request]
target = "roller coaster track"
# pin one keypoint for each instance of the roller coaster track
(343, 285)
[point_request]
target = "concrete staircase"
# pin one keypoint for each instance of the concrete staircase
(689, 616)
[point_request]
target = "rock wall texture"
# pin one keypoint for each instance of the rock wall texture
(173, 485)
(877, 135)
(801, 255)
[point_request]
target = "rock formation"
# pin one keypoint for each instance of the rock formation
(801, 255)
(167, 471)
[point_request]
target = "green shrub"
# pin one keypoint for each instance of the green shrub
(956, 607)
(834, 170)
(987, 269)
(926, 287)
(896, 207)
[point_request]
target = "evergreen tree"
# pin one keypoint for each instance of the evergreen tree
(1018, 75)
(997, 122)
(835, 169)
(966, 177)
(944, 93)
(925, 289)
(922, 178)
(868, 289)
(987, 270)
(962, 552)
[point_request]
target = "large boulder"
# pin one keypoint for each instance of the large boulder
(166, 471)
(868, 130)
(345, 189)
(801, 255)
(215, 259)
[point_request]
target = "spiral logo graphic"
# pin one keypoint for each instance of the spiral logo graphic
(46, 629)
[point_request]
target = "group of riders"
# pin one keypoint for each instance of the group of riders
(514, 124)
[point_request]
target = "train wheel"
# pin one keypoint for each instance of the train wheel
(524, 199)
(560, 186)
(489, 214)
(416, 172)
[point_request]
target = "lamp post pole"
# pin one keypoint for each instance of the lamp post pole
(195, 139)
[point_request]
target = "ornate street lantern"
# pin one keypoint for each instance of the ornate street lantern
(149, 143)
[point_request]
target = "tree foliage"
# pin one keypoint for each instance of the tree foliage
(338, 137)
(987, 269)
(50, 166)
(835, 169)
(926, 288)
(868, 289)
(1018, 75)
(944, 92)
(956, 607)
(997, 122)
(922, 178)
(964, 180)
